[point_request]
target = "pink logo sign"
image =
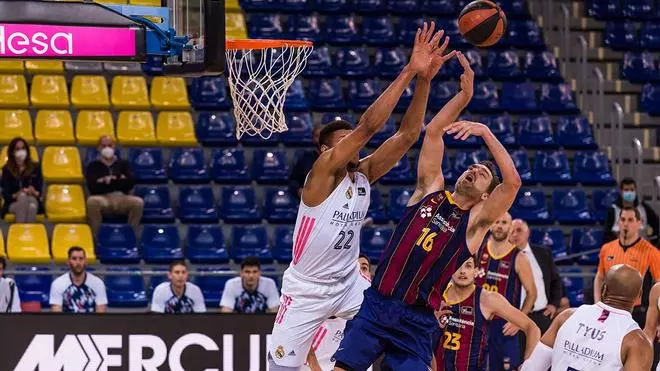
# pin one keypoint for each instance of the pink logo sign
(31, 40)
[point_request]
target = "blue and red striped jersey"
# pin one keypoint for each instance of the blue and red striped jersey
(464, 344)
(426, 248)
(498, 273)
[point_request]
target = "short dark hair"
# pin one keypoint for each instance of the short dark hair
(251, 261)
(177, 262)
(638, 216)
(3, 262)
(327, 130)
(627, 181)
(363, 256)
(493, 171)
(73, 249)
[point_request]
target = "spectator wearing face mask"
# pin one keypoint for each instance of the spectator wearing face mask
(109, 181)
(21, 183)
(629, 198)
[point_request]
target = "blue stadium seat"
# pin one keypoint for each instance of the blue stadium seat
(454, 69)
(536, 132)
(270, 167)
(295, 5)
(300, 129)
(504, 65)
(639, 67)
(541, 66)
(519, 97)
(552, 167)
(210, 92)
(156, 280)
(319, 63)
(157, 204)
(295, 97)
(558, 98)
(212, 286)
(575, 133)
(514, 8)
(448, 170)
(328, 117)
(373, 242)
(398, 200)
(570, 206)
(550, 238)
(485, 98)
(353, 62)
(326, 94)
(650, 99)
(280, 206)
(187, 165)
(407, 29)
(125, 288)
(530, 206)
(592, 168)
(362, 93)
(573, 286)
(160, 244)
(283, 244)
(440, 7)
(502, 127)
(602, 200)
(387, 131)
(603, 9)
(342, 29)
(524, 35)
(368, 7)
(620, 35)
(377, 208)
(403, 6)
(332, 6)
(441, 93)
(205, 244)
(216, 129)
(250, 240)
(464, 159)
(265, 26)
(239, 205)
(401, 173)
(147, 165)
(117, 244)
(228, 166)
(378, 31)
(521, 160)
(650, 35)
(305, 27)
(390, 61)
(197, 205)
(259, 5)
(587, 239)
(34, 287)
(154, 65)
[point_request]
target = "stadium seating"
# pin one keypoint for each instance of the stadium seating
(35, 66)
(584, 240)
(28, 244)
(235, 27)
(485, 98)
(283, 244)
(136, 128)
(530, 205)
(575, 133)
(620, 35)
(67, 235)
(211, 286)
(54, 128)
(169, 93)
(650, 36)
(592, 168)
(265, 25)
(270, 167)
(160, 244)
(117, 244)
(373, 242)
(570, 206)
(239, 205)
(205, 244)
(129, 92)
(157, 204)
(377, 210)
(228, 166)
(215, 129)
(300, 130)
(15, 123)
(521, 160)
(639, 67)
(519, 97)
(536, 132)
(62, 165)
(295, 97)
(389, 62)
(353, 62)
(573, 285)
(91, 125)
(209, 92)
(325, 94)
(125, 288)
(12, 66)
(319, 63)
(464, 159)
(541, 66)
(504, 65)
(13, 91)
(362, 93)
(557, 98)
(197, 205)
(280, 206)
(552, 167)
(49, 91)
(377, 30)
(650, 99)
(250, 240)
(342, 29)
(401, 173)
(602, 200)
(147, 165)
(175, 129)
(187, 165)
(441, 93)
(397, 203)
(65, 204)
(90, 92)
(35, 286)
(305, 27)
(551, 238)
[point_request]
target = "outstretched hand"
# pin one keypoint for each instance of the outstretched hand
(467, 78)
(426, 58)
(464, 129)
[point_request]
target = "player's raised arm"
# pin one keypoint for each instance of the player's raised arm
(387, 155)
(524, 270)
(429, 168)
(541, 357)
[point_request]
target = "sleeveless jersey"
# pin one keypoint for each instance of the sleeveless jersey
(591, 339)
(498, 273)
(464, 344)
(326, 241)
(426, 248)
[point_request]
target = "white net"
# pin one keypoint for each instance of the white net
(258, 83)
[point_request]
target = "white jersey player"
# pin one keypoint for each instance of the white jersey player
(323, 280)
(602, 336)
(651, 326)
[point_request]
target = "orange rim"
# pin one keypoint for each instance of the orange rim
(248, 44)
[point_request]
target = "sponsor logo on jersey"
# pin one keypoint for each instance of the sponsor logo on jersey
(591, 332)
(348, 217)
(349, 193)
(346, 206)
(610, 258)
(583, 352)
(505, 265)
(454, 215)
(497, 276)
(444, 320)
(460, 323)
(362, 191)
(292, 353)
(466, 311)
(441, 223)
(481, 272)
(485, 257)
(425, 212)
(279, 352)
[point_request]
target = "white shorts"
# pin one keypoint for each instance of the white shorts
(304, 306)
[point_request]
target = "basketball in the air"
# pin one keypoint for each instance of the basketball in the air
(482, 23)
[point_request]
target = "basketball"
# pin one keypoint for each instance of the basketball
(482, 23)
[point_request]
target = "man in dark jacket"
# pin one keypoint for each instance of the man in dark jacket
(630, 197)
(109, 181)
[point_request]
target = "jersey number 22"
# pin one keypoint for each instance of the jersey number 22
(348, 236)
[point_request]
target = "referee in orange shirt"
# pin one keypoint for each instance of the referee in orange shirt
(630, 249)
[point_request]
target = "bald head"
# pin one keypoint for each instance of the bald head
(500, 229)
(519, 234)
(622, 283)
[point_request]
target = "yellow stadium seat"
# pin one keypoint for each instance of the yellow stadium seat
(65, 204)
(54, 128)
(61, 165)
(44, 66)
(235, 26)
(15, 123)
(169, 93)
(3, 253)
(145, 2)
(67, 235)
(111, 1)
(49, 91)
(175, 129)
(28, 244)
(232, 6)
(88, 91)
(136, 128)
(3, 155)
(91, 125)
(12, 66)
(13, 91)
(130, 92)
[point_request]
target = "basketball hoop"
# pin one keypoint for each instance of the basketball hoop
(260, 73)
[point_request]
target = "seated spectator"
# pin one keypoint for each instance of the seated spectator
(365, 266)
(9, 299)
(178, 295)
(250, 293)
(628, 198)
(304, 165)
(21, 183)
(109, 181)
(78, 291)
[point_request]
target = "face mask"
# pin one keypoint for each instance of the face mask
(20, 155)
(108, 152)
(629, 196)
